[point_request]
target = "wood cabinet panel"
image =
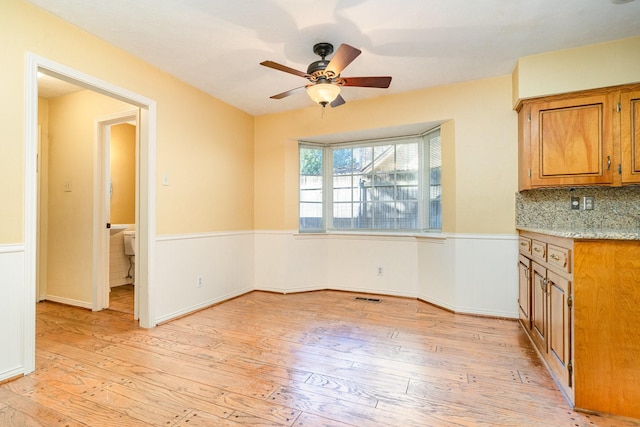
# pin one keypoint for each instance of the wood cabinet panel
(524, 290)
(559, 257)
(607, 336)
(559, 290)
(539, 250)
(572, 141)
(630, 136)
(539, 305)
(525, 245)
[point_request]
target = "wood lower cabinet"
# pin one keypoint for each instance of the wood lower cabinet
(524, 290)
(559, 305)
(539, 306)
(584, 315)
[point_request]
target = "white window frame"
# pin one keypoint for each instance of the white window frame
(424, 184)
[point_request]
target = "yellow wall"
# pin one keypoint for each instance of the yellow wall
(205, 145)
(479, 151)
(123, 174)
(230, 171)
(587, 67)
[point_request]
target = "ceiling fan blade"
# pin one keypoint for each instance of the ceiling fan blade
(287, 93)
(343, 57)
(337, 102)
(380, 82)
(284, 68)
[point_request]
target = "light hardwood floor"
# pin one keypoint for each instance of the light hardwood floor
(310, 359)
(121, 299)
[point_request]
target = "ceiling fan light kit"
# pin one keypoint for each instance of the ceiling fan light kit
(323, 93)
(324, 77)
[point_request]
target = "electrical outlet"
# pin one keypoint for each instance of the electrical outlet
(588, 203)
(380, 271)
(199, 282)
(575, 203)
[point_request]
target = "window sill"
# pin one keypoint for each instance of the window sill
(433, 235)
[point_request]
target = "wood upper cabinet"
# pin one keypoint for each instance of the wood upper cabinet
(630, 136)
(584, 138)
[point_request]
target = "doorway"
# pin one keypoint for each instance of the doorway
(118, 142)
(145, 212)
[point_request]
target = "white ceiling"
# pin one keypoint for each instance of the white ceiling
(217, 45)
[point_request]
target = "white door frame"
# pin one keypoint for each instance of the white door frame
(146, 214)
(102, 203)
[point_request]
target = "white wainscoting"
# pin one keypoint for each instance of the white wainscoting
(224, 261)
(12, 306)
(471, 273)
(475, 273)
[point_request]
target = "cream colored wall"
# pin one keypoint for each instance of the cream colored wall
(479, 151)
(587, 67)
(201, 142)
(123, 174)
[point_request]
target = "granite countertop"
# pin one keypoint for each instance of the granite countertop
(587, 234)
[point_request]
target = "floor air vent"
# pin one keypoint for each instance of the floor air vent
(368, 299)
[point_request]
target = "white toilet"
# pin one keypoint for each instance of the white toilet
(129, 242)
(130, 249)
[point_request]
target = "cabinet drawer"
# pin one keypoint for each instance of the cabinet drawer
(525, 245)
(559, 257)
(539, 250)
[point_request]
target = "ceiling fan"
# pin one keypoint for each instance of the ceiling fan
(324, 76)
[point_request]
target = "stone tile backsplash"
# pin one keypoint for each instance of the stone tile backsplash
(615, 209)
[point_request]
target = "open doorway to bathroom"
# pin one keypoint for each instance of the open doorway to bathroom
(81, 222)
(120, 135)
(88, 152)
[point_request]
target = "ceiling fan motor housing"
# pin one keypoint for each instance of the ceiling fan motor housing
(317, 66)
(316, 69)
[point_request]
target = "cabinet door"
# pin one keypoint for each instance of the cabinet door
(572, 141)
(539, 306)
(630, 136)
(524, 291)
(559, 337)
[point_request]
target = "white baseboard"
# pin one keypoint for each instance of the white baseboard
(68, 301)
(11, 373)
(201, 306)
